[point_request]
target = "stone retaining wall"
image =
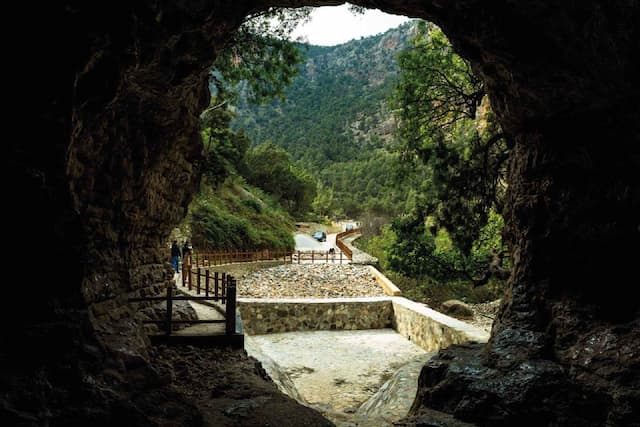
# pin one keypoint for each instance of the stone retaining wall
(389, 287)
(430, 329)
(263, 316)
(427, 328)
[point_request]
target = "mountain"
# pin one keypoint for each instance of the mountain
(337, 105)
(336, 122)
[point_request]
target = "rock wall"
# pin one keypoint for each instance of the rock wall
(106, 166)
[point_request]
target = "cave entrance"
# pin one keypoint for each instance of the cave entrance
(117, 131)
(319, 342)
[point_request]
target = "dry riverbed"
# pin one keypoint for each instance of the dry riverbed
(309, 281)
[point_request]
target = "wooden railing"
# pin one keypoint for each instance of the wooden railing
(202, 279)
(205, 260)
(224, 291)
(319, 256)
(218, 258)
(344, 248)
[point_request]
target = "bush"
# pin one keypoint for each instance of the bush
(438, 288)
(236, 218)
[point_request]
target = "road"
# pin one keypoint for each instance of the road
(304, 242)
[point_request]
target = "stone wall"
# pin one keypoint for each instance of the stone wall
(389, 287)
(263, 316)
(430, 329)
(427, 328)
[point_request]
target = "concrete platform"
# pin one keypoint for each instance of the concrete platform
(338, 371)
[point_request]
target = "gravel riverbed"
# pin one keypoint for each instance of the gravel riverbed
(310, 281)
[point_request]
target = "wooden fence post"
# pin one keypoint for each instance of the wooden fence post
(169, 309)
(231, 306)
(206, 283)
(198, 282)
(215, 283)
(225, 280)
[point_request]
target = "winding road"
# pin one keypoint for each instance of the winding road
(304, 242)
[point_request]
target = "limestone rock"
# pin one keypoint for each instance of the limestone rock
(456, 308)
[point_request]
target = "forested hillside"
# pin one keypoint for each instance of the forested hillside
(336, 122)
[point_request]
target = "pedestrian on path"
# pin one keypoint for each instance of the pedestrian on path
(186, 252)
(175, 256)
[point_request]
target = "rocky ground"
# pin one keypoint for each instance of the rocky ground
(483, 314)
(309, 281)
(229, 388)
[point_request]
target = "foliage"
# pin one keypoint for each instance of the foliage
(444, 126)
(236, 216)
(229, 214)
(259, 58)
(225, 149)
(418, 281)
(335, 123)
(270, 168)
(421, 250)
(376, 184)
(432, 292)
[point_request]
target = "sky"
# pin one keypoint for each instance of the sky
(334, 25)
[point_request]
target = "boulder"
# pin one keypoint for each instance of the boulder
(456, 308)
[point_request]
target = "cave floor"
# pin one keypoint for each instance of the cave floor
(345, 374)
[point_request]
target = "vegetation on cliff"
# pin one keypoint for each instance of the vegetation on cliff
(452, 233)
(249, 196)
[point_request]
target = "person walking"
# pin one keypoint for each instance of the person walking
(186, 251)
(175, 256)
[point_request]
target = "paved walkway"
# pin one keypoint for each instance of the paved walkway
(204, 312)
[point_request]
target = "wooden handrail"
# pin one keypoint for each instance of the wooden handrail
(343, 247)
(218, 258)
(226, 294)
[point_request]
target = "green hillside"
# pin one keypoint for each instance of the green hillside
(336, 123)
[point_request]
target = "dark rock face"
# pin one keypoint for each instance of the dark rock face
(111, 162)
(110, 166)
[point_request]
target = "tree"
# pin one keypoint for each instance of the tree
(224, 149)
(259, 58)
(270, 168)
(446, 123)
(227, 213)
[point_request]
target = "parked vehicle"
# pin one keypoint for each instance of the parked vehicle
(320, 236)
